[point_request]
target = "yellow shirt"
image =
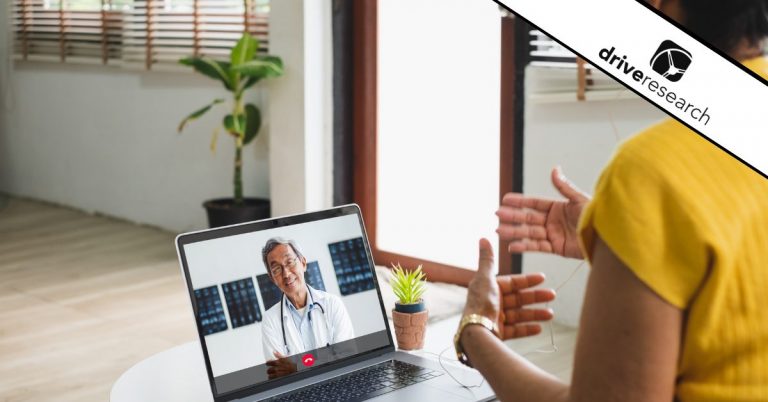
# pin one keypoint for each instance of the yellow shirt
(691, 222)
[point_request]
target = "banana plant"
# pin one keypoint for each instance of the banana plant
(244, 69)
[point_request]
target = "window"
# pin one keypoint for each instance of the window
(133, 33)
(438, 113)
(557, 75)
(406, 145)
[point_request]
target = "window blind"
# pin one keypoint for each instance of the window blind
(545, 52)
(557, 74)
(145, 34)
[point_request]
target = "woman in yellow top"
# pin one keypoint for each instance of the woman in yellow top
(676, 305)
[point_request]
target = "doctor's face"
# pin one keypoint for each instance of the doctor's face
(287, 269)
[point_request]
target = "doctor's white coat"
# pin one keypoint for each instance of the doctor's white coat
(338, 320)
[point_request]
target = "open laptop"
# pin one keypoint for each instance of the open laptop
(242, 316)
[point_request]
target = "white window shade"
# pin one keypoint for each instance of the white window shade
(134, 33)
(438, 128)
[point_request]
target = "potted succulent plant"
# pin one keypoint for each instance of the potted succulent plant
(410, 313)
(244, 69)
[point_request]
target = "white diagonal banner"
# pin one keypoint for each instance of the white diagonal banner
(664, 65)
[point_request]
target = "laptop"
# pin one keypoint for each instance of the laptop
(289, 309)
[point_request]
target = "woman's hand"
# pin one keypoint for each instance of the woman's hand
(516, 321)
(540, 224)
(503, 298)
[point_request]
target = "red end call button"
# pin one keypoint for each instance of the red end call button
(308, 359)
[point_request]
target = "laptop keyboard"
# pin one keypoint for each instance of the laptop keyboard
(363, 384)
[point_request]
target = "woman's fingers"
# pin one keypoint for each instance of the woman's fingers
(518, 200)
(520, 330)
(511, 283)
(515, 316)
(526, 297)
(520, 216)
(566, 188)
(514, 232)
(525, 245)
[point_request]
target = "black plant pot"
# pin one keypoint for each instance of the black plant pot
(224, 211)
(410, 308)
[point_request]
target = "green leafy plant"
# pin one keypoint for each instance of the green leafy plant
(408, 286)
(243, 70)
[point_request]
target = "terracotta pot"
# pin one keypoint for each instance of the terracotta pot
(410, 329)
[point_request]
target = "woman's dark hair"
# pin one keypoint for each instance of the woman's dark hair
(723, 23)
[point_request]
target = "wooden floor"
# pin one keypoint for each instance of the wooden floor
(83, 298)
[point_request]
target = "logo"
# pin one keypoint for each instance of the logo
(308, 359)
(671, 61)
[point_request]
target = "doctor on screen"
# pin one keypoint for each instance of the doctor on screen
(305, 318)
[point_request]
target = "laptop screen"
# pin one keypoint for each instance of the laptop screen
(280, 298)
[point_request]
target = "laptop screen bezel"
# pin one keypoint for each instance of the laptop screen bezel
(273, 223)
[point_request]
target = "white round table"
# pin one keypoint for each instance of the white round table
(177, 374)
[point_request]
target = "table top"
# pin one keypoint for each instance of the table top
(178, 374)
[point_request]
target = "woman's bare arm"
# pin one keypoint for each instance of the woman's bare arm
(629, 337)
(627, 350)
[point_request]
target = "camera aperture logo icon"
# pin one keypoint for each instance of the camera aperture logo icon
(671, 61)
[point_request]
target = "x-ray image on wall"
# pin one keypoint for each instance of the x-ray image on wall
(242, 304)
(350, 263)
(271, 294)
(210, 313)
(313, 276)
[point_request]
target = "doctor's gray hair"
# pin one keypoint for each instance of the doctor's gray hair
(274, 242)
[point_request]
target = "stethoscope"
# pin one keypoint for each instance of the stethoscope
(309, 317)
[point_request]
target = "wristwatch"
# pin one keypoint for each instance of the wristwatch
(471, 319)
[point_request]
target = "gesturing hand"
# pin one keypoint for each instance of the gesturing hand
(503, 298)
(540, 224)
(516, 321)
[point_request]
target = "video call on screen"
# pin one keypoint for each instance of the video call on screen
(233, 293)
(350, 264)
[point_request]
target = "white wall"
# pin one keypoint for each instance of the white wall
(228, 259)
(104, 139)
(301, 107)
(579, 136)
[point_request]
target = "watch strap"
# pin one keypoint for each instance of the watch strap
(471, 319)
